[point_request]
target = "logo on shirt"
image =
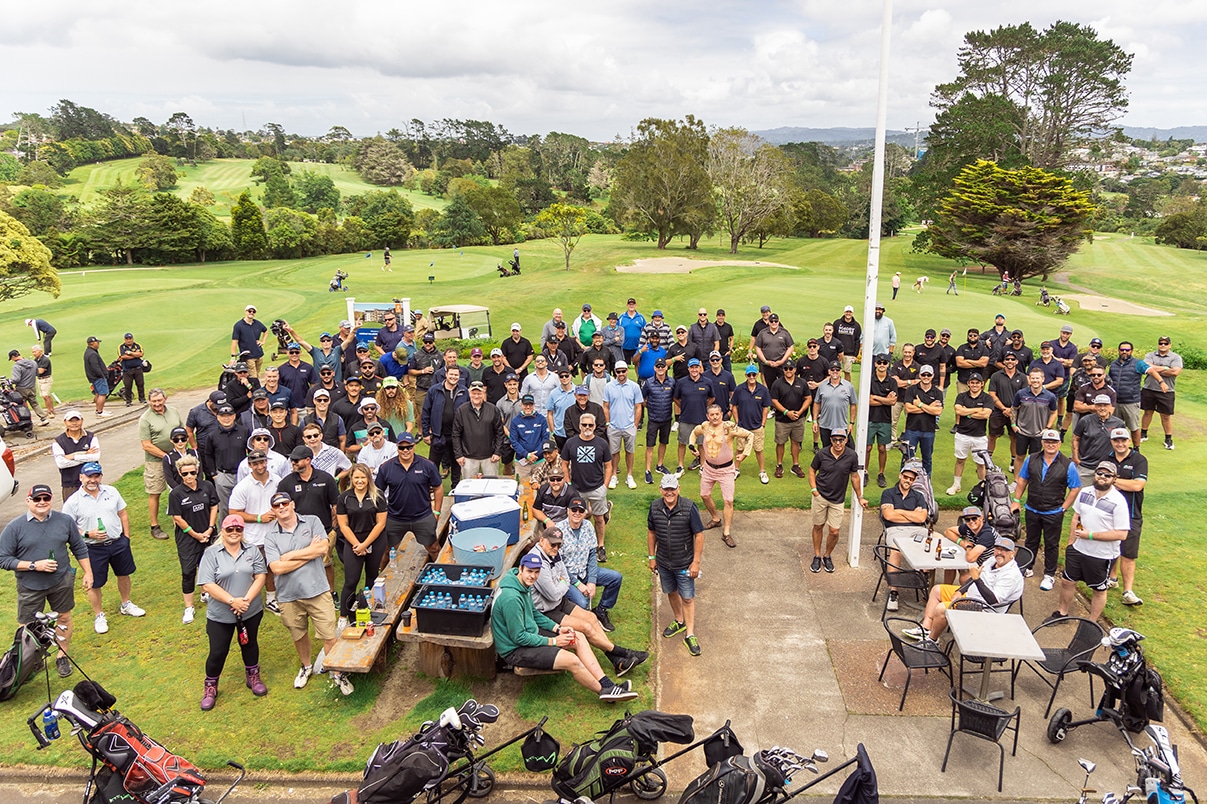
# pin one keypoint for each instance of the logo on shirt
(586, 453)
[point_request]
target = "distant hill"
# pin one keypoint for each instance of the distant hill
(833, 136)
(1196, 133)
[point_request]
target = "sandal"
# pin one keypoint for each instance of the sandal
(728, 539)
(716, 523)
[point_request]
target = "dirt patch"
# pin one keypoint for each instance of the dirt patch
(1105, 304)
(683, 265)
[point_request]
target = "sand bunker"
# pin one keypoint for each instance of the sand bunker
(683, 265)
(1106, 304)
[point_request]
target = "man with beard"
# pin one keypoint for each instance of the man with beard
(1100, 523)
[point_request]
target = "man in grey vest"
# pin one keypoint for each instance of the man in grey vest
(1125, 373)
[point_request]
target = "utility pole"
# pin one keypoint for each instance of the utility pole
(917, 129)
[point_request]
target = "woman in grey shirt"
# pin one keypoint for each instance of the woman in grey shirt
(232, 572)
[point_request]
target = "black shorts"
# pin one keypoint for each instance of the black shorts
(1093, 572)
(1131, 545)
(508, 453)
(116, 554)
(999, 423)
(559, 613)
(658, 431)
(1027, 445)
(424, 530)
(189, 551)
(61, 598)
(542, 658)
(1156, 401)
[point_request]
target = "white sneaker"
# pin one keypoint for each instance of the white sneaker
(189, 612)
(302, 677)
(1130, 598)
(955, 489)
(913, 633)
(319, 661)
(737, 473)
(1047, 583)
(131, 610)
(100, 624)
(630, 482)
(763, 478)
(341, 680)
(613, 482)
(103, 414)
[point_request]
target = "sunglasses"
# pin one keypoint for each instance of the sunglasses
(1104, 474)
(313, 436)
(710, 360)
(1125, 351)
(1098, 374)
(563, 374)
(42, 498)
(294, 352)
(183, 473)
(234, 529)
(1162, 343)
(556, 479)
(402, 447)
(585, 426)
(578, 510)
(179, 440)
(280, 504)
(262, 438)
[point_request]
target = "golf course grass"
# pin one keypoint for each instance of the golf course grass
(183, 317)
(225, 178)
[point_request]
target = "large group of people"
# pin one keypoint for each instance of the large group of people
(287, 467)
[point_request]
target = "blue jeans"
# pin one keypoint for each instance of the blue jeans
(924, 443)
(609, 581)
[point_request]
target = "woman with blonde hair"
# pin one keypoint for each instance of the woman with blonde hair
(395, 406)
(360, 515)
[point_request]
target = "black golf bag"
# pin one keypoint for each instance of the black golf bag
(1132, 687)
(617, 755)
(993, 496)
(736, 780)
(24, 659)
(15, 415)
(113, 376)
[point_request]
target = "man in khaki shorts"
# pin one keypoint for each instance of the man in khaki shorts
(155, 428)
(45, 380)
(828, 476)
(749, 405)
(295, 547)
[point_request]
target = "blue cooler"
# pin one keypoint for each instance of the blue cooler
(483, 547)
(501, 513)
(473, 488)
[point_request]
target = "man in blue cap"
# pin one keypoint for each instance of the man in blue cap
(692, 396)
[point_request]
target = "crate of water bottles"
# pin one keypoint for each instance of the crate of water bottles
(456, 575)
(452, 610)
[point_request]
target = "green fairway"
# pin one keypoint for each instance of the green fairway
(225, 178)
(183, 318)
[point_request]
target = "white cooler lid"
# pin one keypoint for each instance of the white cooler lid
(484, 506)
(486, 486)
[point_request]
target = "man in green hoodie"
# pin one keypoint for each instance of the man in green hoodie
(526, 638)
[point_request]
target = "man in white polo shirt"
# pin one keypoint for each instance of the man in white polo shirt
(252, 499)
(1100, 524)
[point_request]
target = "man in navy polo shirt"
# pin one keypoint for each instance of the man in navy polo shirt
(692, 395)
(410, 481)
(749, 404)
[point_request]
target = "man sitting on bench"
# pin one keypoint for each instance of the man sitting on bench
(526, 638)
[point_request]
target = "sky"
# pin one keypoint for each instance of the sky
(592, 69)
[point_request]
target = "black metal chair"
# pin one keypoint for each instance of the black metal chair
(1084, 639)
(898, 577)
(913, 655)
(1025, 560)
(986, 722)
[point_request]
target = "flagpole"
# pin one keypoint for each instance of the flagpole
(873, 273)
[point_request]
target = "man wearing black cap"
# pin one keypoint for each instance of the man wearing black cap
(203, 420)
(221, 453)
(972, 355)
(832, 468)
(923, 406)
(973, 409)
(551, 500)
(881, 401)
(1095, 349)
(930, 353)
(259, 414)
(1004, 385)
(248, 336)
(131, 355)
(347, 407)
(285, 434)
(422, 365)
(314, 492)
(414, 496)
(773, 345)
(34, 546)
(1088, 382)
(239, 390)
(596, 350)
(478, 434)
(833, 404)
(905, 373)
(1015, 343)
(97, 375)
(790, 398)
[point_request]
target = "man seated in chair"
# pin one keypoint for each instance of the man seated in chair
(996, 584)
(974, 536)
(903, 514)
(550, 599)
(526, 638)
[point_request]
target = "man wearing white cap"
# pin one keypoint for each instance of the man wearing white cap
(248, 336)
(1100, 524)
(1131, 476)
(72, 449)
(622, 402)
(1053, 481)
(1092, 438)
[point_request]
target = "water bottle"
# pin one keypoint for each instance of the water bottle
(393, 556)
(50, 724)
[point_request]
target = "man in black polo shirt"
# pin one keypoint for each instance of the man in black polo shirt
(923, 406)
(314, 492)
(1003, 387)
(974, 536)
(414, 496)
(880, 416)
(828, 346)
(903, 514)
(791, 399)
(551, 500)
(517, 352)
(832, 468)
(692, 396)
(1130, 480)
(970, 356)
(973, 409)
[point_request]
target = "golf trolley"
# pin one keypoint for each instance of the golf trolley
(1158, 774)
(337, 283)
(766, 778)
(15, 415)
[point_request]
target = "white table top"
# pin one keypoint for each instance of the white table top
(997, 636)
(917, 558)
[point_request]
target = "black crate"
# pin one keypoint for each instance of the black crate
(453, 572)
(450, 621)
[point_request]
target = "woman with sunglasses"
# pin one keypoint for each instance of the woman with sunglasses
(180, 449)
(193, 507)
(360, 515)
(232, 573)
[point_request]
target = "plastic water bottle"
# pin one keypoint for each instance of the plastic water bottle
(393, 556)
(50, 724)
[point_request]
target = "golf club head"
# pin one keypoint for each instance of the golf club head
(1109, 798)
(1087, 766)
(449, 717)
(468, 708)
(812, 768)
(820, 755)
(487, 713)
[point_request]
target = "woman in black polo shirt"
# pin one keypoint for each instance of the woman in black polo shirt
(360, 513)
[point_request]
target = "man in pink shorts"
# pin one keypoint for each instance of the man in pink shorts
(718, 443)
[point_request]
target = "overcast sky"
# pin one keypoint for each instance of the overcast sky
(589, 69)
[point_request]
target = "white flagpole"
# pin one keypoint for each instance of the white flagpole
(869, 291)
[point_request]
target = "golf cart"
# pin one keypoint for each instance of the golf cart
(464, 321)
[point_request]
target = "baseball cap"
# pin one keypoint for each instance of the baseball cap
(390, 382)
(680, 328)
(752, 369)
(280, 497)
(528, 399)
(971, 510)
(291, 346)
(834, 364)
(839, 433)
(693, 362)
(976, 375)
(631, 300)
(620, 364)
(405, 438)
(612, 317)
(1095, 341)
(879, 305)
(669, 481)
(1049, 435)
(1016, 332)
(560, 325)
(475, 352)
(999, 315)
(362, 347)
(926, 370)
(1101, 399)
(496, 352)
(576, 502)
(660, 363)
(257, 393)
(549, 446)
(713, 353)
(354, 378)
(225, 410)
(251, 308)
(1120, 432)
(765, 309)
(945, 331)
(910, 467)
(511, 376)
(515, 326)
(882, 358)
(586, 307)
(40, 488)
(257, 455)
(345, 324)
(1009, 356)
(531, 561)
(218, 397)
(72, 414)
(301, 452)
(232, 521)
(1002, 541)
(581, 390)
(1067, 328)
(239, 367)
(1106, 466)
(773, 317)
(848, 309)
(278, 404)
(477, 385)
(408, 328)
(1046, 345)
(325, 336)
(322, 392)
(656, 314)
(91, 468)
(14, 353)
(429, 337)
(177, 432)
(375, 427)
(93, 339)
(930, 333)
(597, 334)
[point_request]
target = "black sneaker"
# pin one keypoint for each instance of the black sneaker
(880, 481)
(272, 606)
(695, 465)
(605, 622)
(1056, 615)
(693, 644)
(1169, 443)
(828, 564)
(675, 627)
(617, 693)
(601, 554)
(335, 598)
(816, 565)
(628, 659)
(63, 665)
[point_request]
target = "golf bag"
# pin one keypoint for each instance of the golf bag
(1062, 307)
(278, 329)
(993, 496)
(15, 415)
(23, 660)
(113, 376)
(609, 761)
(737, 780)
(1132, 687)
(142, 764)
(401, 770)
(337, 282)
